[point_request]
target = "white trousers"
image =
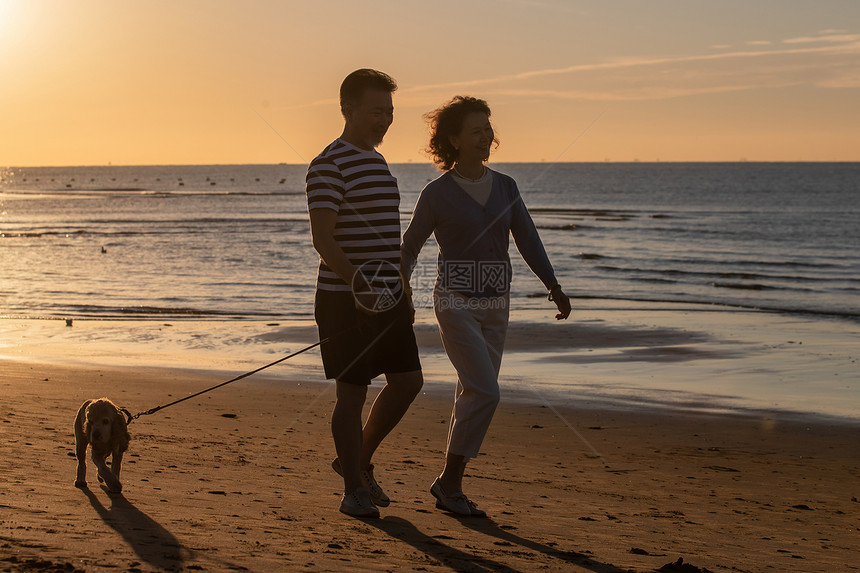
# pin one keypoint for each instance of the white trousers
(473, 333)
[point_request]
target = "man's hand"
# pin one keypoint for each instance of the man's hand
(367, 301)
(322, 231)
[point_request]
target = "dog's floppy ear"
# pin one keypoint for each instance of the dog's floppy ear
(118, 427)
(86, 418)
(116, 422)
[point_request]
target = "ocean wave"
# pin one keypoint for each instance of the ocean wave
(154, 227)
(612, 213)
(782, 264)
(267, 285)
(209, 193)
(742, 286)
(149, 192)
(562, 227)
(654, 280)
(720, 274)
(146, 311)
(721, 306)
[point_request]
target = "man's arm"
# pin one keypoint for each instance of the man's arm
(322, 232)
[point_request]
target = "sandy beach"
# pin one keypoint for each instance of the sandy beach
(184, 186)
(607, 480)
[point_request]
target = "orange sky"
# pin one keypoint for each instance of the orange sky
(88, 83)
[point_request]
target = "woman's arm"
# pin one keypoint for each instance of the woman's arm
(531, 248)
(528, 241)
(421, 226)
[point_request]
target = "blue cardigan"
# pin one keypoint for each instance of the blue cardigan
(473, 239)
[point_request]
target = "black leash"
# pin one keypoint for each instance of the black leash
(245, 375)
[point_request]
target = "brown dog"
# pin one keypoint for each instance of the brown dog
(102, 426)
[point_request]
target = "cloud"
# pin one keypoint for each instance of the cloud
(640, 93)
(830, 38)
(832, 65)
(759, 43)
(799, 61)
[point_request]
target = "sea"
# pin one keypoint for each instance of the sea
(231, 244)
(215, 241)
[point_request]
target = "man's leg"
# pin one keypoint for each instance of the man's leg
(388, 409)
(347, 433)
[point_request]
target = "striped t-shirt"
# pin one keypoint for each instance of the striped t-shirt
(357, 184)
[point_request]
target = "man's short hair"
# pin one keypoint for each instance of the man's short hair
(355, 84)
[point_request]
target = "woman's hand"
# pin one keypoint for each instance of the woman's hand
(407, 293)
(562, 302)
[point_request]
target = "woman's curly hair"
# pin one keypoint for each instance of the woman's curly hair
(448, 120)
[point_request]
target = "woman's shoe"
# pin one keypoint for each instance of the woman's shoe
(474, 508)
(455, 503)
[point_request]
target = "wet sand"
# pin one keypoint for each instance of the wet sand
(610, 354)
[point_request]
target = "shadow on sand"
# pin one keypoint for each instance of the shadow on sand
(149, 540)
(459, 560)
(491, 528)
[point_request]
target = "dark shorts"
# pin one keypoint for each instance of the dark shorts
(363, 346)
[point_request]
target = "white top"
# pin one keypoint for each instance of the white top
(478, 190)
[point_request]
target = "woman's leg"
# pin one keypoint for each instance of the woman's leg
(473, 338)
(494, 325)
(452, 475)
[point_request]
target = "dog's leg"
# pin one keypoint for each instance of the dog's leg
(81, 449)
(81, 455)
(116, 462)
(105, 473)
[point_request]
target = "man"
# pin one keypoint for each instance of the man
(360, 304)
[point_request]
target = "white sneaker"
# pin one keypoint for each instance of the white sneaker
(367, 480)
(376, 494)
(358, 504)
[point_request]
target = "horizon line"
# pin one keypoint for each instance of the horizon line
(430, 164)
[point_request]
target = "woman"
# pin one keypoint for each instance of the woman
(472, 210)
